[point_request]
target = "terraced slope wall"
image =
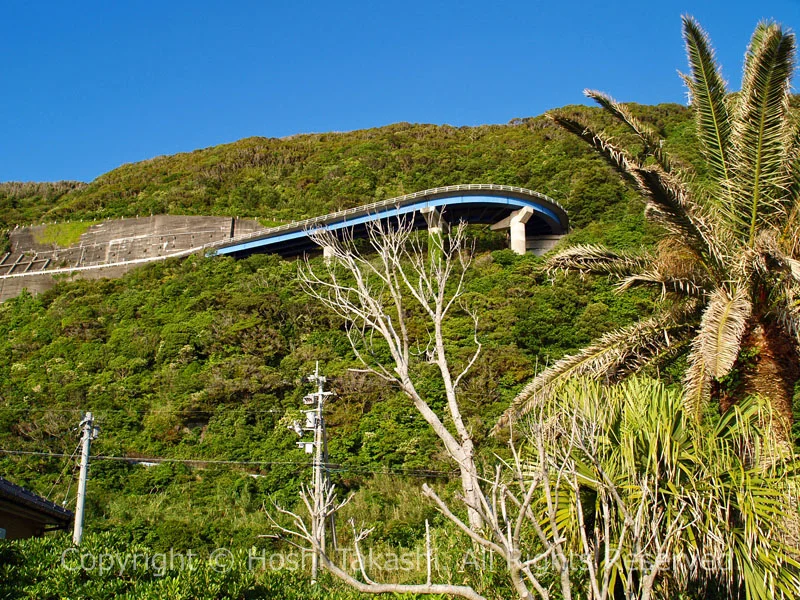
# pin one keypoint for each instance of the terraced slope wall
(107, 249)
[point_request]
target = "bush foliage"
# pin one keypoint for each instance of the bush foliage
(205, 358)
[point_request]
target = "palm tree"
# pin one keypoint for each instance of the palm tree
(727, 267)
(687, 493)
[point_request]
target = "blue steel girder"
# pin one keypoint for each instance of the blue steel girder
(474, 203)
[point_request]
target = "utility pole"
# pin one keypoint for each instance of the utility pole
(88, 433)
(315, 421)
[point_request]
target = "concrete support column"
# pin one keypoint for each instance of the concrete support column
(436, 224)
(517, 226)
(437, 229)
(515, 222)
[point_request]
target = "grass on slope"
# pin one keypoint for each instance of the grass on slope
(62, 234)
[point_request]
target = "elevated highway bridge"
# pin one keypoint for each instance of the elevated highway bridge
(534, 221)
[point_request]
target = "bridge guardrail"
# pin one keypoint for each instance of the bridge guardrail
(305, 223)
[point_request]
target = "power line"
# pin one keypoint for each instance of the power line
(64, 470)
(333, 468)
(156, 459)
(142, 410)
(213, 410)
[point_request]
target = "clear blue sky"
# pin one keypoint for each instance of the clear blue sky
(88, 86)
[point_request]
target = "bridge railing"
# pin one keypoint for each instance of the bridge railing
(399, 200)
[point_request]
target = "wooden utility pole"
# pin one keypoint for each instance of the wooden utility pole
(88, 433)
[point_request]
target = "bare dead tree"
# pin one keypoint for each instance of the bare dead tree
(536, 520)
(375, 296)
(516, 513)
(300, 534)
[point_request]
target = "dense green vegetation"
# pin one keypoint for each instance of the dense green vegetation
(205, 358)
(25, 203)
(51, 569)
(200, 359)
(308, 175)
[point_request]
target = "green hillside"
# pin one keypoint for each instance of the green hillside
(202, 358)
(308, 175)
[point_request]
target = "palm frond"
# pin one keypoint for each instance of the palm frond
(760, 35)
(716, 345)
(671, 205)
(708, 90)
(665, 283)
(617, 353)
(598, 260)
(787, 308)
(653, 144)
(675, 223)
(632, 269)
(670, 199)
(759, 136)
(771, 262)
(790, 228)
(721, 329)
(616, 157)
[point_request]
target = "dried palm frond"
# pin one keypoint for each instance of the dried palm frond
(675, 257)
(771, 263)
(717, 343)
(787, 309)
(665, 283)
(674, 269)
(671, 205)
(591, 258)
(617, 353)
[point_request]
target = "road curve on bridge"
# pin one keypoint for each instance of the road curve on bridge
(473, 203)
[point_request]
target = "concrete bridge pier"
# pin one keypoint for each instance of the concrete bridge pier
(437, 229)
(436, 223)
(515, 222)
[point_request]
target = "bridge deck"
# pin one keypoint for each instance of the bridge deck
(474, 203)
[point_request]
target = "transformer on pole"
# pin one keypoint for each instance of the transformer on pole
(315, 422)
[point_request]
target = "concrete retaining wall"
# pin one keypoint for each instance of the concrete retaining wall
(107, 243)
(42, 281)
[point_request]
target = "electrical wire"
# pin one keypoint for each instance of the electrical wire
(213, 411)
(143, 410)
(69, 487)
(331, 467)
(64, 470)
(156, 459)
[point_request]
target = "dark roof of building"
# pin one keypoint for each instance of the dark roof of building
(19, 495)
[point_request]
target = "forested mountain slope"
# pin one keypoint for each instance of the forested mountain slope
(313, 174)
(202, 358)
